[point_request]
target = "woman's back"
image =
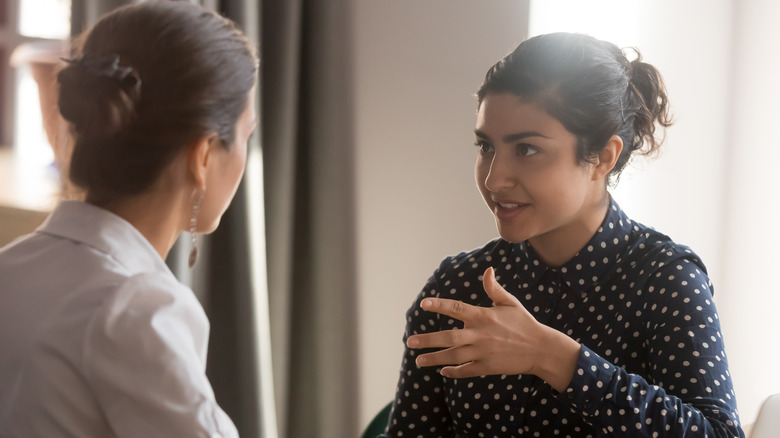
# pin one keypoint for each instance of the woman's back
(91, 321)
(97, 337)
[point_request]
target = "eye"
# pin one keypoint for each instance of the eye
(484, 147)
(526, 150)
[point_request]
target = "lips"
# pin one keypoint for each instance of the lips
(508, 209)
(509, 203)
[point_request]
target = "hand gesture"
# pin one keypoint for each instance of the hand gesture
(503, 339)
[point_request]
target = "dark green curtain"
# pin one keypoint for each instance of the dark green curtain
(308, 200)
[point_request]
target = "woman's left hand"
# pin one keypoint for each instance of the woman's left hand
(504, 339)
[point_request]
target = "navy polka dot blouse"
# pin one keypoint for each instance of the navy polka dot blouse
(652, 362)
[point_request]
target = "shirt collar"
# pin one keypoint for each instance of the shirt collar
(596, 259)
(106, 232)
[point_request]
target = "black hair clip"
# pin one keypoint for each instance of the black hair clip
(107, 66)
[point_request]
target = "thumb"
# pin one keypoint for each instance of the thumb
(497, 293)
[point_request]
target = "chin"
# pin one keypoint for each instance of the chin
(211, 227)
(512, 239)
(215, 225)
(512, 236)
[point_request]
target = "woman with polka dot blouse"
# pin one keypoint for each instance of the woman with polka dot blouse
(578, 321)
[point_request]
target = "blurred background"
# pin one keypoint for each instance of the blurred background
(363, 180)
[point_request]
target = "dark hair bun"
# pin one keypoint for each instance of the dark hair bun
(648, 88)
(98, 96)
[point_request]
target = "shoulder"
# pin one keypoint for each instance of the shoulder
(145, 359)
(457, 273)
(144, 297)
(147, 312)
(152, 290)
(475, 261)
(671, 276)
(652, 252)
(459, 277)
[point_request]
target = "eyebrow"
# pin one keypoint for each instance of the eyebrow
(510, 138)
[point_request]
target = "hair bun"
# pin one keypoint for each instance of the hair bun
(98, 95)
(653, 109)
(107, 66)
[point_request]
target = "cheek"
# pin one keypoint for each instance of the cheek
(565, 189)
(233, 167)
(240, 166)
(481, 169)
(219, 194)
(209, 216)
(233, 173)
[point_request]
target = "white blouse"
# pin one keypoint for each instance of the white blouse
(98, 338)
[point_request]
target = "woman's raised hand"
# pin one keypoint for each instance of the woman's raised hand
(503, 339)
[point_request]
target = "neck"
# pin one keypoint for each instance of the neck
(558, 246)
(159, 216)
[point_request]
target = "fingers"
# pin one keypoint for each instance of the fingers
(442, 339)
(466, 370)
(450, 356)
(464, 312)
(451, 308)
(497, 293)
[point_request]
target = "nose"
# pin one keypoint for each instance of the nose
(500, 175)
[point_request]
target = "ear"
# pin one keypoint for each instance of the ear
(607, 158)
(200, 157)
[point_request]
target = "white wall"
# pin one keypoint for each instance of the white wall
(752, 174)
(417, 65)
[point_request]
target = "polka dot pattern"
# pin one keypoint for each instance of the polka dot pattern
(652, 361)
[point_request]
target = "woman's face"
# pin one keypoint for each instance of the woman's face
(527, 171)
(225, 175)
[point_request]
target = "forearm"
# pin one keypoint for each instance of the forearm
(614, 400)
(558, 359)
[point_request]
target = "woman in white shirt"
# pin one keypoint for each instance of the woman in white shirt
(97, 337)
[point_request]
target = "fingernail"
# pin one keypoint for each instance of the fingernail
(444, 373)
(412, 342)
(427, 303)
(421, 360)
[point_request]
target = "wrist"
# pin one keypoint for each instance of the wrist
(558, 359)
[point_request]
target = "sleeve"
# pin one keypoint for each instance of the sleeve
(420, 406)
(144, 358)
(687, 389)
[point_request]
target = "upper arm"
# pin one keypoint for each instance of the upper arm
(144, 359)
(420, 401)
(680, 291)
(686, 350)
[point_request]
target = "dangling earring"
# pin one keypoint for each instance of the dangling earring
(197, 196)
